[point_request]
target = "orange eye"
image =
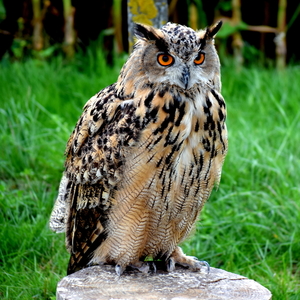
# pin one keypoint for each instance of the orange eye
(165, 59)
(199, 59)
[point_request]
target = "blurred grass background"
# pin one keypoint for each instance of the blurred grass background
(249, 226)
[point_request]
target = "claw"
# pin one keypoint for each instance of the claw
(152, 266)
(170, 264)
(206, 264)
(198, 264)
(141, 266)
(119, 270)
(178, 257)
(144, 268)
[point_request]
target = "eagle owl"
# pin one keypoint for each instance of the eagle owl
(145, 154)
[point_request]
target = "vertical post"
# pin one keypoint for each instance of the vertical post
(237, 42)
(117, 15)
(38, 42)
(193, 16)
(280, 39)
(148, 12)
(69, 39)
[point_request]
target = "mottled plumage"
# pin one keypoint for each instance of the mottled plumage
(145, 154)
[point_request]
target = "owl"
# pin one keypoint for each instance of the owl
(145, 155)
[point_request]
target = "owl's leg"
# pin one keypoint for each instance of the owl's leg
(178, 257)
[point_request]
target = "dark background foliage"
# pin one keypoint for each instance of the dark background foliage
(25, 33)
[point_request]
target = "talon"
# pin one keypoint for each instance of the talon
(206, 264)
(141, 266)
(152, 266)
(198, 265)
(170, 265)
(119, 270)
(144, 268)
(178, 257)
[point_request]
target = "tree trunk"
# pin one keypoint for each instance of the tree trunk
(237, 42)
(117, 14)
(69, 40)
(280, 39)
(102, 283)
(38, 41)
(148, 12)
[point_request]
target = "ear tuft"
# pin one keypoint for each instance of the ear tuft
(144, 32)
(213, 30)
(148, 33)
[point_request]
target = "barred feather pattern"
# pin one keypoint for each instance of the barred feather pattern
(141, 162)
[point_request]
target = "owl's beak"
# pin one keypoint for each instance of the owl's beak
(185, 77)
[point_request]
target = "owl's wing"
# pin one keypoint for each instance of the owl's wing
(94, 150)
(95, 153)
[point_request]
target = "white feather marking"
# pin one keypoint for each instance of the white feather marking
(98, 174)
(86, 175)
(78, 178)
(126, 102)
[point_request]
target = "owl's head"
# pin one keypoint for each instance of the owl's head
(177, 55)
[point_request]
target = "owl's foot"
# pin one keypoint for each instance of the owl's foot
(143, 267)
(178, 257)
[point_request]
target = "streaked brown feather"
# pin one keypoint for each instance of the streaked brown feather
(141, 162)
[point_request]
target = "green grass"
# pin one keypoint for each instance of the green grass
(250, 225)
